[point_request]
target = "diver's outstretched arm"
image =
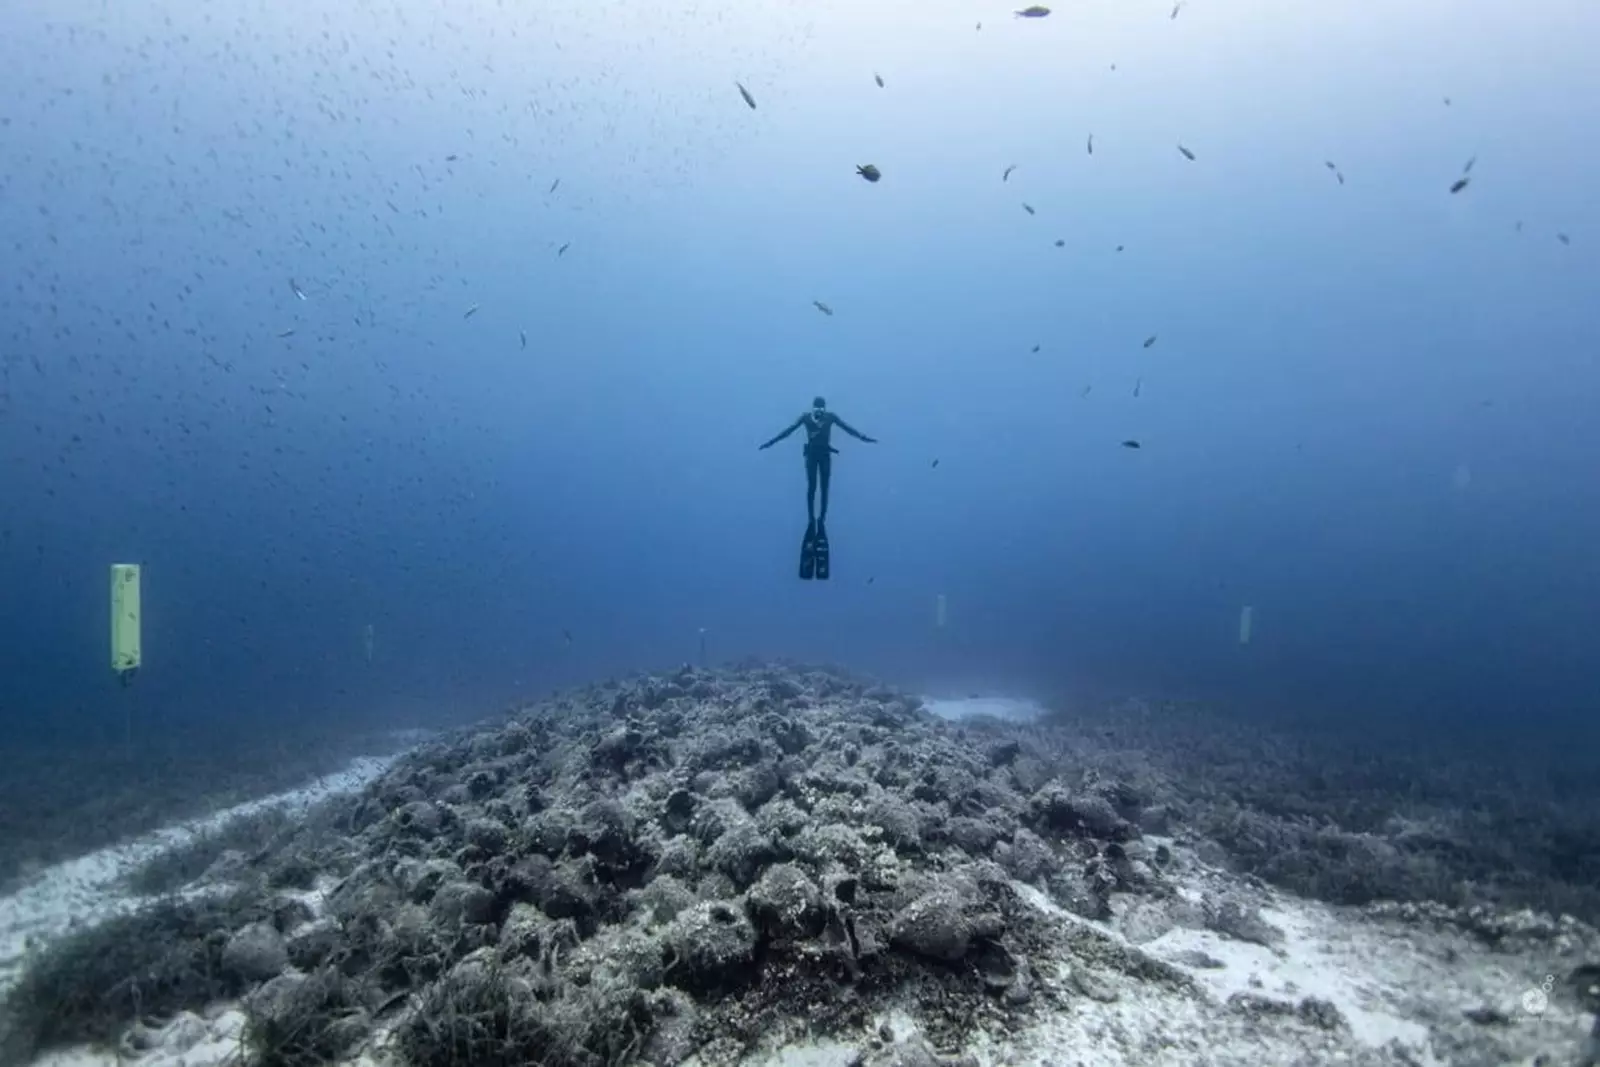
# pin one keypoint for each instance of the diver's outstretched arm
(792, 428)
(852, 431)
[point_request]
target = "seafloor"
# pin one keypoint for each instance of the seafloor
(783, 864)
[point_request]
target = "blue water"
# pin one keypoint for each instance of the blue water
(1369, 411)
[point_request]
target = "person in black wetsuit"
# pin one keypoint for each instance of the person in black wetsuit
(819, 422)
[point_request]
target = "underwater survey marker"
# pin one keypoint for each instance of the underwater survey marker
(126, 651)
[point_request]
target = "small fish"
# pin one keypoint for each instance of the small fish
(1148, 341)
(980, 26)
(294, 288)
(747, 97)
(1029, 209)
(820, 306)
(1447, 101)
(567, 635)
(451, 159)
(1460, 184)
(1119, 248)
(1519, 225)
(869, 172)
(1060, 243)
(555, 184)
(1137, 385)
(1186, 153)
(1007, 172)
(523, 336)
(1175, 9)
(1468, 168)
(471, 311)
(1086, 390)
(1091, 144)
(935, 463)
(879, 79)
(1036, 348)
(1131, 443)
(1037, 11)
(286, 333)
(872, 579)
(563, 249)
(1563, 238)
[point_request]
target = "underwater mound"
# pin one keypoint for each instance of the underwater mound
(704, 866)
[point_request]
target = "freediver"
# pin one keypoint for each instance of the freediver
(819, 423)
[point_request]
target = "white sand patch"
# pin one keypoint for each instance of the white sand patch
(1006, 709)
(87, 890)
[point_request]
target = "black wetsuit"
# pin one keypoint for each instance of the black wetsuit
(818, 423)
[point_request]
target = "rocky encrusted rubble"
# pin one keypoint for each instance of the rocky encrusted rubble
(697, 864)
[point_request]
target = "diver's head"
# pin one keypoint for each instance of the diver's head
(819, 403)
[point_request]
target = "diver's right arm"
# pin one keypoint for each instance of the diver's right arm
(792, 428)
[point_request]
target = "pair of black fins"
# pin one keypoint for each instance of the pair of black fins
(814, 553)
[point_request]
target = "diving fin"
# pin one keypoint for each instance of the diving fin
(819, 553)
(808, 557)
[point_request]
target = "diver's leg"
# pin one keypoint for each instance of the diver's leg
(826, 465)
(811, 490)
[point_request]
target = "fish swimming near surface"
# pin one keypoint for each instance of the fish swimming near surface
(523, 334)
(555, 184)
(879, 79)
(471, 311)
(1091, 144)
(1131, 443)
(1148, 341)
(820, 306)
(286, 333)
(1029, 209)
(1007, 172)
(1037, 11)
(563, 249)
(1060, 243)
(869, 172)
(746, 94)
(1186, 153)
(1460, 184)
(296, 290)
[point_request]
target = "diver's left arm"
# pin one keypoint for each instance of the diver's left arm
(853, 432)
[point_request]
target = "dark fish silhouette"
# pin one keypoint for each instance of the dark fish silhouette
(1036, 348)
(1460, 184)
(820, 306)
(563, 249)
(1037, 11)
(1007, 172)
(524, 335)
(1131, 443)
(554, 184)
(869, 172)
(936, 463)
(1148, 341)
(1563, 238)
(747, 97)
(879, 79)
(1186, 153)
(1091, 144)
(1060, 243)
(1029, 209)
